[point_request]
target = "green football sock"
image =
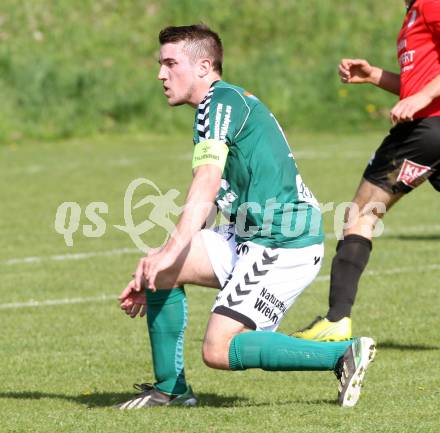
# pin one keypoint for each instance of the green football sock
(167, 315)
(274, 351)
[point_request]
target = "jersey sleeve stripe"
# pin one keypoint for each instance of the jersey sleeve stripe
(203, 116)
(248, 110)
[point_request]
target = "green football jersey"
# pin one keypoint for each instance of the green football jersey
(261, 189)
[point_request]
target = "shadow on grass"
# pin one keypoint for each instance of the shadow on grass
(109, 399)
(103, 399)
(392, 345)
(212, 400)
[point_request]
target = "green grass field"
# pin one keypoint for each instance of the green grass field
(67, 357)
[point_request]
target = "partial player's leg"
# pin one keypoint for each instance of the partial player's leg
(408, 156)
(352, 254)
(353, 251)
(230, 345)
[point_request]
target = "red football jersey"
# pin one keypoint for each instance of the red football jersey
(418, 50)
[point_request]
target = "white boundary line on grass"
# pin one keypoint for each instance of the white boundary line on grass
(71, 256)
(102, 298)
(54, 302)
(410, 230)
(392, 271)
(121, 251)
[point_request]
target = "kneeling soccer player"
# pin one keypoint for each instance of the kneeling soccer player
(262, 261)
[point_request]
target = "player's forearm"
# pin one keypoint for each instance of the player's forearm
(198, 205)
(386, 80)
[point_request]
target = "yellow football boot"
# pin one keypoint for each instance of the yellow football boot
(321, 329)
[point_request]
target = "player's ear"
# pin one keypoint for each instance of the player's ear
(204, 67)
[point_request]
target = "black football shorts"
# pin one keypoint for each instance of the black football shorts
(408, 156)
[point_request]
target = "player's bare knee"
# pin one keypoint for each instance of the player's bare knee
(210, 356)
(216, 355)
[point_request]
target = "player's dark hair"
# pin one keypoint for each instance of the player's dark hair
(200, 41)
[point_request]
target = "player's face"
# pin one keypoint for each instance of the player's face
(177, 73)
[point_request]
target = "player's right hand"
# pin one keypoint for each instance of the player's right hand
(355, 71)
(132, 301)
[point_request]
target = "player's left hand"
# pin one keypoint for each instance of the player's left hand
(406, 108)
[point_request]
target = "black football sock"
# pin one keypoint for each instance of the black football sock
(352, 254)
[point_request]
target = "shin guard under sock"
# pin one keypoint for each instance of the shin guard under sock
(167, 315)
(274, 351)
(352, 254)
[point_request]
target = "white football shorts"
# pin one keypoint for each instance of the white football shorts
(259, 284)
